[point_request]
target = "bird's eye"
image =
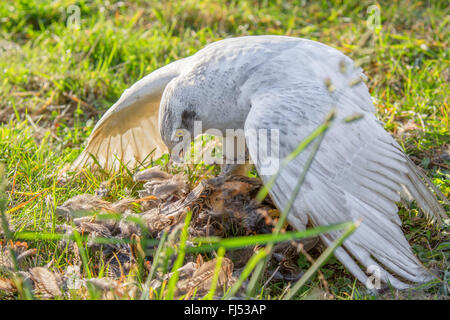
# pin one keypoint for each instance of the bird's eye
(179, 133)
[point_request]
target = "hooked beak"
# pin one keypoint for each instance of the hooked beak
(179, 141)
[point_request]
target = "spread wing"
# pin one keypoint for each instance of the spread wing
(129, 131)
(359, 170)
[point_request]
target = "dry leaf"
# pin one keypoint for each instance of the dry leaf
(201, 280)
(7, 287)
(161, 184)
(86, 203)
(154, 173)
(46, 283)
(20, 249)
(156, 222)
(80, 204)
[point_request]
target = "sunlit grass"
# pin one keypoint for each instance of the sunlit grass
(55, 82)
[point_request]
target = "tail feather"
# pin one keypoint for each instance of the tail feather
(418, 188)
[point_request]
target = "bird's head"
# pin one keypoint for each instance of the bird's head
(176, 120)
(190, 108)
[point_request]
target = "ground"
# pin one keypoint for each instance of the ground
(63, 63)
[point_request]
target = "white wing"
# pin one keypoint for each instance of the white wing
(359, 170)
(129, 131)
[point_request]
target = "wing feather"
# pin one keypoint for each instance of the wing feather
(135, 112)
(359, 170)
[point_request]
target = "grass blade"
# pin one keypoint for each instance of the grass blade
(319, 133)
(144, 294)
(251, 264)
(212, 290)
(22, 286)
(214, 243)
(321, 260)
(302, 146)
(172, 285)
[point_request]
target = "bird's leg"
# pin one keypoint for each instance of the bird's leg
(235, 157)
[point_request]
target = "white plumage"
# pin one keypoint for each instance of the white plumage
(289, 84)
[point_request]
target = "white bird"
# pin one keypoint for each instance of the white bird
(289, 84)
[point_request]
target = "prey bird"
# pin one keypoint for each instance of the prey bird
(286, 84)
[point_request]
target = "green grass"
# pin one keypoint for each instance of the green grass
(56, 81)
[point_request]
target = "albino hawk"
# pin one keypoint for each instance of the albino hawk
(288, 84)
